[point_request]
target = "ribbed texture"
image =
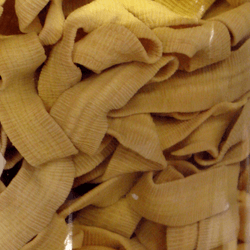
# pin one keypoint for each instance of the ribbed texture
(168, 174)
(224, 227)
(83, 115)
(206, 137)
(155, 15)
(84, 163)
(172, 131)
(185, 168)
(175, 203)
(237, 21)
(126, 161)
(62, 53)
(22, 119)
(184, 92)
(200, 46)
(118, 218)
(36, 202)
(27, 12)
(182, 237)
(217, 8)
(111, 190)
(151, 235)
(93, 175)
(172, 65)
(234, 137)
(53, 26)
(126, 123)
(219, 229)
(138, 133)
(187, 8)
(118, 45)
(60, 231)
(24, 60)
(97, 236)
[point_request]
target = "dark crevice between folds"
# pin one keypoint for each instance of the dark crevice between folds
(76, 193)
(86, 73)
(10, 152)
(80, 34)
(43, 13)
(70, 218)
(229, 128)
(240, 43)
(9, 20)
(9, 174)
(81, 190)
(71, 5)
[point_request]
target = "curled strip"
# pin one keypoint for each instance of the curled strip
(141, 53)
(94, 175)
(207, 137)
(84, 163)
(237, 21)
(60, 73)
(82, 110)
(53, 27)
(126, 161)
(111, 190)
(94, 236)
(173, 131)
(60, 231)
(184, 91)
(155, 15)
(138, 133)
(31, 191)
(161, 203)
(22, 112)
(185, 8)
(151, 235)
(113, 44)
(213, 46)
(27, 12)
(238, 136)
(219, 230)
(118, 218)
(182, 237)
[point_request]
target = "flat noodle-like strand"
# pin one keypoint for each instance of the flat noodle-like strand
(225, 81)
(30, 192)
(174, 203)
(82, 110)
(21, 119)
(60, 231)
